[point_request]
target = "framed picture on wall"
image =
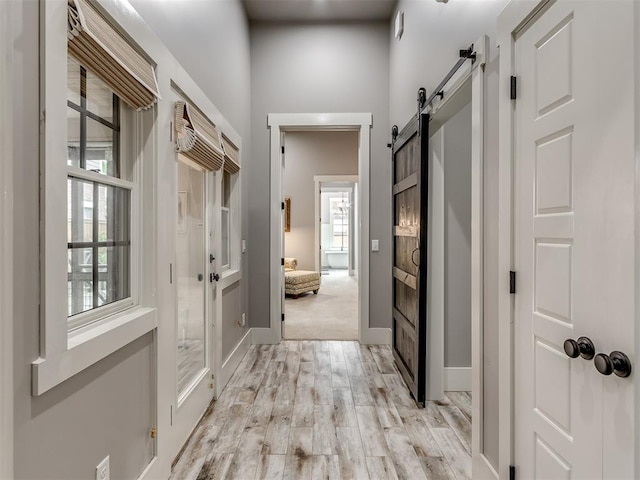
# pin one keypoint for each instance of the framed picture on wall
(287, 214)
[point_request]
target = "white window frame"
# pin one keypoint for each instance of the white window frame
(63, 353)
(233, 267)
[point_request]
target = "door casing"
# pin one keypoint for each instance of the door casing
(282, 122)
(6, 243)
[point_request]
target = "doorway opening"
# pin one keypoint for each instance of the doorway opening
(320, 178)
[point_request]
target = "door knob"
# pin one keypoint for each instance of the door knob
(200, 277)
(615, 362)
(582, 348)
(214, 277)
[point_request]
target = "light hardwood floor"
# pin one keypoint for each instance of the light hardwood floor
(325, 410)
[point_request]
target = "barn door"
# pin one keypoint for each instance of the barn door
(410, 179)
(574, 243)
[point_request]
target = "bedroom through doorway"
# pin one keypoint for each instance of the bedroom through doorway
(320, 181)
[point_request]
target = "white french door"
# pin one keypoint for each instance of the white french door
(574, 240)
(195, 295)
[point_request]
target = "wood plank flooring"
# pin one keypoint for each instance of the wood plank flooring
(326, 410)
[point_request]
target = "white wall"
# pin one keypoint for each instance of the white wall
(320, 68)
(309, 154)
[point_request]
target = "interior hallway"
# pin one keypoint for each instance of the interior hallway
(332, 314)
(326, 409)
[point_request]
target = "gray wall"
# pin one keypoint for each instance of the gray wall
(433, 34)
(320, 68)
(309, 154)
(457, 239)
(107, 408)
(210, 39)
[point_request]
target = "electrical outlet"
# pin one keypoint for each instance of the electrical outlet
(102, 470)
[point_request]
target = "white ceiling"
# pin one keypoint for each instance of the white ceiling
(318, 10)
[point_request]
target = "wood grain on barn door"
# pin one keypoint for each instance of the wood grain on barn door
(410, 179)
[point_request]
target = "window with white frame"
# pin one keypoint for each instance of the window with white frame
(226, 213)
(229, 210)
(339, 219)
(99, 200)
(97, 285)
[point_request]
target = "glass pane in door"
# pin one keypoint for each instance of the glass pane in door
(190, 272)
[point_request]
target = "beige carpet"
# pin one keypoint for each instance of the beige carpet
(330, 315)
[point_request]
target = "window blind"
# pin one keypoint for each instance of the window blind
(231, 156)
(108, 54)
(197, 138)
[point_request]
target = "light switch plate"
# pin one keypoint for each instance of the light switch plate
(103, 471)
(399, 24)
(375, 245)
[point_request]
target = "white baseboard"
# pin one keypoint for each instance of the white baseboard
(457, 379)
(264, 336)
(375, 336)
(482, 469)
(233, 360)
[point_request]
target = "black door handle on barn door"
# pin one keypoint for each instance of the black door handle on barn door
(615, 362)
(583, 347)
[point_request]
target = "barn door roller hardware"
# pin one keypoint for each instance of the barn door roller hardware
(467, 54)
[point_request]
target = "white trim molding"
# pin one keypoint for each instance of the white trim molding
(6, 241)
(280, 123)
(230, 364)
(511, 21)
(457, 379)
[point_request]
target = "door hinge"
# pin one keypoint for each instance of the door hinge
(282, 206)
(154, 432)
(282, 262)
(512, 472)
(282, 149)
(514, 87)
(282, 316)
(512, 282)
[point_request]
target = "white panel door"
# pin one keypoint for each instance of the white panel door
(574, 240)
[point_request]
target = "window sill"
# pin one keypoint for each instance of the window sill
(91, 345)
(229, 277)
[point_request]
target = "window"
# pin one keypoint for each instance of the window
(339, 211)
(226, 219)
(99, 195)
(97, 287)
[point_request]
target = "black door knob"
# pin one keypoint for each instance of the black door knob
(200, 277)
(582, 348)
(615, 362)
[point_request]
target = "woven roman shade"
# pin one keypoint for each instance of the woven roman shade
(197, 138)
(108, 54)
(231, 156)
